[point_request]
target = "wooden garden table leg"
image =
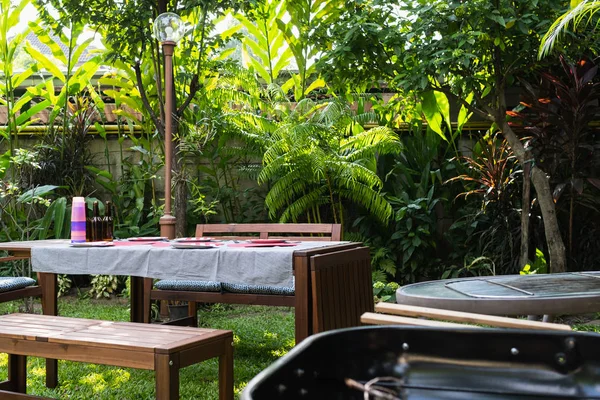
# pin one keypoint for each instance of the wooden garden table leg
(136, 296)
(302, 297)
(166, 367)
(49, 307)
(17, 373)
(226, 372)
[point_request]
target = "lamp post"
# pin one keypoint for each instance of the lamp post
(168, 30)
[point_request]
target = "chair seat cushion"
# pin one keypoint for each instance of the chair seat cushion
(189, 286)
(9, 283)
(257, 289)
(210, 286)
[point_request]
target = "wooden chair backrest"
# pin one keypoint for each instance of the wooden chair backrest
(308, 232)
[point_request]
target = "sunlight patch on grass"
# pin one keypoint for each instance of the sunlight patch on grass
(278, 352)
(38, 371)
(3, 360)
(271, 335)
(95, 380)
(239, 387)
(118, 377)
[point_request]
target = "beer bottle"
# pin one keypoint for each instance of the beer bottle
(108, 223)
(96, 224)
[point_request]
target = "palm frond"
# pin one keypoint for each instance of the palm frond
(585, 9)
(372, 200)
(377, 141)
(302, 205)
(284, 190)
(351, 173)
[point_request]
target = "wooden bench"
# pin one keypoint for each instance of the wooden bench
(326, 278)
(164, 349)
(400, 314)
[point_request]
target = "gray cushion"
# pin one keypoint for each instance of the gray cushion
(8, 283)
(257, 289)
(189, 286)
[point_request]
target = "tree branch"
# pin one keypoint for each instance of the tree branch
(138, 75)
(193, 90)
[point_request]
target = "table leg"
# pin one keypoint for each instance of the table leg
(47, 282)
(136, 297)
(17, 373)
(226, 372)
(166, 367)
(303, 298)
(49, 307)
(147, 302)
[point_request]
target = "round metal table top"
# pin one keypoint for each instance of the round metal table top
(565, 293)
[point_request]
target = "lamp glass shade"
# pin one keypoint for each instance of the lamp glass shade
(168, 27)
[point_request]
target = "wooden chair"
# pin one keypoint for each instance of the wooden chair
(20, 288)
(285, 297)
(17, 288)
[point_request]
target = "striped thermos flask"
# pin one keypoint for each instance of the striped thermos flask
(78, 220)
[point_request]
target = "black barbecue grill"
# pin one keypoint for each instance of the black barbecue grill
(426, 363)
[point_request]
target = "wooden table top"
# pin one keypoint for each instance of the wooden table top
(146, 338)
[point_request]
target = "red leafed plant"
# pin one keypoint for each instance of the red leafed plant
(557, 116)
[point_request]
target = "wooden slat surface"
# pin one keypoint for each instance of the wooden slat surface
(102, 334)
(457, 316)
(384, 319)
(326, 232)
(342, 288)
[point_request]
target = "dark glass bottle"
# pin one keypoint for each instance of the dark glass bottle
(88, 225)
(96, 223)
(108, 223)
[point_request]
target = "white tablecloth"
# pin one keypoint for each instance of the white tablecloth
(249, 265)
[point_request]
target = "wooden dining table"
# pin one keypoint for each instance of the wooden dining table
(309, 298)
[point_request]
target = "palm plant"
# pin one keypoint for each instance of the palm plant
(317, 156)
(581, 12)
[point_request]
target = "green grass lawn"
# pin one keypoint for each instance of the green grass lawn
(261, 335)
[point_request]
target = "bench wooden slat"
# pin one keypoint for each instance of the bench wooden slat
(459, 316)
(384, 319)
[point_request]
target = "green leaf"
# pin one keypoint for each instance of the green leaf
(443, 106)
(46, 39)
(318, 83)
(432, 114)
(45, 62)
(497, 18)
(60, 211)
(32, 111)
(39, 191)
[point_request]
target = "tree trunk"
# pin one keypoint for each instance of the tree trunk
(525, 215)
(540, 181)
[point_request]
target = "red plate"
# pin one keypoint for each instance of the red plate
(194, 239)
(147, 239)
(266, 241)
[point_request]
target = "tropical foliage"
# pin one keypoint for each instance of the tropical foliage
(318, 111)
